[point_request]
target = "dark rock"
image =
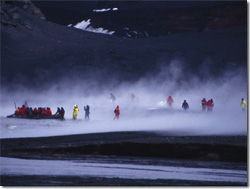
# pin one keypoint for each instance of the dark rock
(6, 23)
(11, 9)
(31, 8)
(16, 16)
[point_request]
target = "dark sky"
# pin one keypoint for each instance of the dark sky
(122, 5)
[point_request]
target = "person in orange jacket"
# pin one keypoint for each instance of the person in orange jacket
(117, 112)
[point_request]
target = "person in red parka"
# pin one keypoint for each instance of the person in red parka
(48, 112)
(210, 105)
(204, 104)
(117, 113)
(22, 110)
(36, 112)
(170, 101)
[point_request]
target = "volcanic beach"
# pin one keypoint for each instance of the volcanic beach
(227, 152)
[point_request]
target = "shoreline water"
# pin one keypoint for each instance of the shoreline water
(124, 171)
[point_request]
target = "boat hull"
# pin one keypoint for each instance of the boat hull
(35, 117)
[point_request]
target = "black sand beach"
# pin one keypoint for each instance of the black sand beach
(226, 152)
(139, 144)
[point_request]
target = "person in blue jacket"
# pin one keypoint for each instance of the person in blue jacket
(185, 105)
(86, 109)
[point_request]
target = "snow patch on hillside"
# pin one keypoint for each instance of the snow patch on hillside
(105, 10)
(85, 25)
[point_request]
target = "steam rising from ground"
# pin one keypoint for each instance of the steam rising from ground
(146, 113)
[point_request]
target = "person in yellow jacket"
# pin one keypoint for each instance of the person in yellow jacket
(75, 112)
(243, 104)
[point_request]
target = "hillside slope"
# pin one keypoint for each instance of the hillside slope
(36, 52)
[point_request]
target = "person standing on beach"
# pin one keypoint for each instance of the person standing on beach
(86, 109)
(210, 105)
(243, 104)
(62, 112)
(75, 112)
(112, 97)
(117, 113)
(170, 101)
(185, 105)
(204, 104)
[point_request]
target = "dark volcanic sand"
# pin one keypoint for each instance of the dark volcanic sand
(99, 181)
(137, 144)
(225, 152)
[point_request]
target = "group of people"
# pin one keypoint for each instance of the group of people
(60, 112)
(130, 95)
(207, 105)
(87, 112)
(204, 104)
(37, 112)
(41, 112)
(170, 101)
(28, 111)
(76, 110)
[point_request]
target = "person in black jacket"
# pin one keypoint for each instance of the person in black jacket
(62, 112)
